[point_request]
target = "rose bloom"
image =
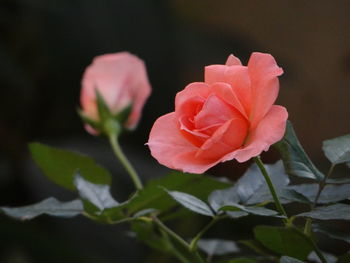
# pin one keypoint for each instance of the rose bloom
(121, 79)
(228, 116)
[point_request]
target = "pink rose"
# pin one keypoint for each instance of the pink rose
(121, 79)
(229, 116)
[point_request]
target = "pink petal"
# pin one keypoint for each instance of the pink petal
(228, 138)
(237, 77)
(167, 143)
(270, 130)
(232, 61)
(263, 72)
(121, 79)
(225, 92)
(214, 112)
(194, 90)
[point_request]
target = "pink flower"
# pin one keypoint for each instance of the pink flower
(229, 116)
(121, 79)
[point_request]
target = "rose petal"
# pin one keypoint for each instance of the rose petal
(198, 162)
(232, 61)
(214, 112)
(166, 142)
(226, 93)
(229, 137)
(270, 130)
(196, 89)
(263, 72)
(121, 79)
(237, 77)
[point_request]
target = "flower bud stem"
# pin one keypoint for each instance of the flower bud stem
(113, 139)
(271, 188)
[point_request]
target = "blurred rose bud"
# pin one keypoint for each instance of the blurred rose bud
(115, 86)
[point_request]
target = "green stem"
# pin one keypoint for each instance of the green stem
(175, 236)
(271, 187)
(313, 244)
(170, 232)
(322, 184)
(193, 244)
(125, 162)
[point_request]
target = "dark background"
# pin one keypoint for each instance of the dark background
(46, 45)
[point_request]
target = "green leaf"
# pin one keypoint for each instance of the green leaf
(60, 166)
(293, 196)
(338, 180)
(49, 206)
(255, 210)
(285, 241)
(98, 195)
(344, 259)
(294, 157)
(251, 188)
(332, 231)
(257, 247)
(336, 211)
(286, 259)
(145, 212)
(191, 202)
(329, 194)
(236, 214)
(337, 150)
(221, 198)
(217, 247)
(153, 196)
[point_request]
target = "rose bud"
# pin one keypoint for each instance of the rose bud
(228, 116)
(114, 87)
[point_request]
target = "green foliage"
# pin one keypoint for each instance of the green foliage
(192, 203)
(251, 188)
(291, 195)
(336, 211)
(98, 195)
(217, 247)
(337, 150)
(255, 210)
(146, 232)
(332, 231)
(284, 241)
(329, 194)
(153, 195)
(60, 166)
(294, 157)
(50, 206)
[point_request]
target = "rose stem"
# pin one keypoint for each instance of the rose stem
(271, 187)
(322, 184)
(125, 162)
(193, 244)
(176, 237)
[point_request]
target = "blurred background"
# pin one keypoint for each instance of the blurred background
(46, 45)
